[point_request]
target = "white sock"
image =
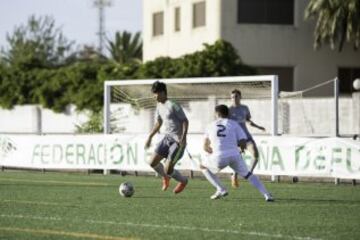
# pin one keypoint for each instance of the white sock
(254, 180)
(178, 177)
(160, 169)
(214, 180)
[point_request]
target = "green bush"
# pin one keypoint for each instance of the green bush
(93, 125)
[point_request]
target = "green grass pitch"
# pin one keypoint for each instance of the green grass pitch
(36, 205)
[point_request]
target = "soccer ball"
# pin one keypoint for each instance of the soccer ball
(356, 84)
(126, 189)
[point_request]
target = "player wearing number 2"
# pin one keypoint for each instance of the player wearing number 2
(222, 138)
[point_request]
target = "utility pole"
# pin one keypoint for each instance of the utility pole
(101, 4)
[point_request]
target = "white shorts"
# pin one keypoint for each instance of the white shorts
(217, 163)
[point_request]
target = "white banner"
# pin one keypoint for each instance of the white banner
(325, 157)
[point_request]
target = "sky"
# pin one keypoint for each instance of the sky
(78, 19)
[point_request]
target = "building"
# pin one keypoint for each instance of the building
(271, 35)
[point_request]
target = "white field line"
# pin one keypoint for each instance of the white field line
(63, 233)
(39, 203)
(45, 203)
(56, 182)
(173, 227)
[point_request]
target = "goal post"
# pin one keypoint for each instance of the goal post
(137, 94)
(336, 105)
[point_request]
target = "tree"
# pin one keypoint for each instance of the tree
(33, 49)
(218, 59)
(126, 48)
(85, 53)
(337, 21)
(37, 44)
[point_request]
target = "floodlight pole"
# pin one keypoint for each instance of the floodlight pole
(101, 4)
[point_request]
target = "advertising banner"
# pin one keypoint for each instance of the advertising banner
(293, 156)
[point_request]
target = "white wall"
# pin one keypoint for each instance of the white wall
(23, 119)
(299, 117)
(62, 122)
(34, 119)
(296, 116)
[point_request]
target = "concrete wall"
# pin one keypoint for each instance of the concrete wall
(300, 117)
(34, 119)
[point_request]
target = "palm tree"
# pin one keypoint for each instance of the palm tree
(125, 48)
(337, 21)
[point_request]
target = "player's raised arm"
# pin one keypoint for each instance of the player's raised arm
(255, 125)
(248, 119)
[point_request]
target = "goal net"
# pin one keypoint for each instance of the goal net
(129, 105)
(312, 111)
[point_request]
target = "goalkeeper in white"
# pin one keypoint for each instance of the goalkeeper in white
(222, 138)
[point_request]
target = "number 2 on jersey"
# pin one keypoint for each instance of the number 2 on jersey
(221, 130)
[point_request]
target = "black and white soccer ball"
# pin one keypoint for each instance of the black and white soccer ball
(126, 189)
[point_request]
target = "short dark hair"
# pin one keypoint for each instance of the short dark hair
(223, 110)
(158, 87)
(236, 91)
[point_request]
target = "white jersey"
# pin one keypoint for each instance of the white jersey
(224, 135)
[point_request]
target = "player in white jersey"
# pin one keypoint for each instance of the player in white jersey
(241, 114)
(222, 138)
(172, 145)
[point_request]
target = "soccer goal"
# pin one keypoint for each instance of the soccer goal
(129, 104)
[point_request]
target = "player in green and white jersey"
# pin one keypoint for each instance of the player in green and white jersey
(172, 145)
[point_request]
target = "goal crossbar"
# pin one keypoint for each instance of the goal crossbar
(273, 79)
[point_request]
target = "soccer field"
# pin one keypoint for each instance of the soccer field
(34, 205)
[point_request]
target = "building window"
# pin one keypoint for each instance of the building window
(158, 23)
(177, 21)
(199, 14)
(285, 74)
(266, 11)
(347, 77)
